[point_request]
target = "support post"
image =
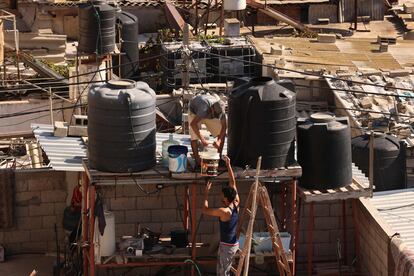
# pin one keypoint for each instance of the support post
(344, 237)
(356, 15)
(310, 238)
(85, 184)
(294, 224)
(221, 18)
(356, 231)
(91, 230)
(283, 205)
(51, 106)
(296, 244)
(186, 208)
(193, 225)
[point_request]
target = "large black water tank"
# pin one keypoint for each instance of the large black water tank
(261, 123)
(127, 31)
(121, 126)
(324, 151)
(96, 28)
(389, 160)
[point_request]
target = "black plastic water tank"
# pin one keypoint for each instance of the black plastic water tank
(127, 31)
(261, 123)
(324, 151)
(121, 126)
(389, 160)
(96, 28)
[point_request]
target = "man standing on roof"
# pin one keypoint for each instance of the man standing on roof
(209, 110)
(228, 218)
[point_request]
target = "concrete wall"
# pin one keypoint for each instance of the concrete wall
(22, 123)
(40, 198)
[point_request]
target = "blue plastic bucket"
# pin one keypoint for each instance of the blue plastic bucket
(177, 158)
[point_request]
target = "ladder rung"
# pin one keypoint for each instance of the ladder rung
(282, 265)
(233, 270)
(248, 211)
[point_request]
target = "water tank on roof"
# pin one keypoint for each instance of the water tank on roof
(261, 123)
(121, 126)
(96, 28)
(127, 36)
(389, 160)
(324, 151)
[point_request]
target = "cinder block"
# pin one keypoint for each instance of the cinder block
(326, 38)
(135, 216)
(28, 197)
(21, 211)
(326, 223)
(149, 202)
(409, 35)
(78, 131)
(408, 8)
(59, 208)
(170, 201)
(21, 186)
(81, 120)
(231, 27)
(168, 226)
(49, 221)
(43, 209)
(123, 203)
(29, 223)
(40, 184)
(34, 246)
(53, 196)
(125, 229)
(164, 215)
(321, 210)
(42, 235)
(17, 236)
(60, 129)
(399, 73)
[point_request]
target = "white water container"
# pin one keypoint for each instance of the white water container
(165, 145)
(234, 5)
(105, 245)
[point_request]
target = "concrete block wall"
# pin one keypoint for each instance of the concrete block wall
(374, 237)
(162, 212)
(40, 198)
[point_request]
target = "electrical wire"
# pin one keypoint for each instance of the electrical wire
(303, 72)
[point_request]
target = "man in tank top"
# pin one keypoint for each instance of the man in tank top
(207, 109)
(228, 218)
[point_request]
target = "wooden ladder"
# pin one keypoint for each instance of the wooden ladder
(258, 195)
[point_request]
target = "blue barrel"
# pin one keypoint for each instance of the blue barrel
(177, 158)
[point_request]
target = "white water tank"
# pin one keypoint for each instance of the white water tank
(234, 5)
(105, 245)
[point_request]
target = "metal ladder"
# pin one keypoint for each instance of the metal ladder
(258, 195)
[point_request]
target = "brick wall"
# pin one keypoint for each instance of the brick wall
(40, 198)
(375, 236)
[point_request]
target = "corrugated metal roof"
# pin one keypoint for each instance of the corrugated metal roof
(66, 153)
(397, 209)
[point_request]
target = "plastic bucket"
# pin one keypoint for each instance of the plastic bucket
(209, 163)
(177, 158)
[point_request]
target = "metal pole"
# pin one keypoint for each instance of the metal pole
(371, 163)
(356, 14)
(51, 105)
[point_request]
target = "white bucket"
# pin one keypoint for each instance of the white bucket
(177, 158)
(209, 162)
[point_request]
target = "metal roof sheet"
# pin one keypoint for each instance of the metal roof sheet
(66, 153)
(397, 209)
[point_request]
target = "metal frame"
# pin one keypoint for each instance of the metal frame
(92, 178)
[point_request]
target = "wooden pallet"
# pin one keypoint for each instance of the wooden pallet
(387, 39)
(353, 190)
